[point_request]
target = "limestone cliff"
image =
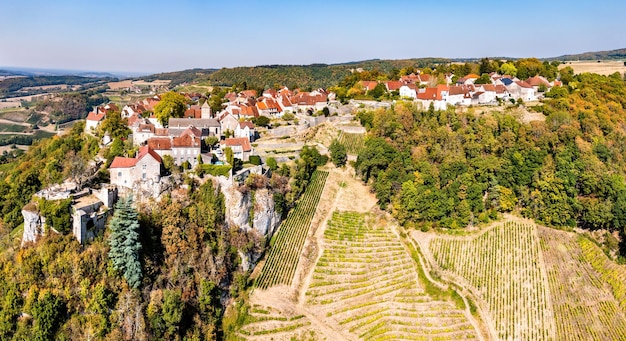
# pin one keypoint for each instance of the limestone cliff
(246, 207)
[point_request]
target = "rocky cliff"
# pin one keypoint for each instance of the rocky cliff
(250, 209)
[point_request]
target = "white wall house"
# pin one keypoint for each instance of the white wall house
(145, 168)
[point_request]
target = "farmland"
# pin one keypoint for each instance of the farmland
(286, 249)
(584, 305)
(533, 282)
(602, 67)
(363, 283)
(504, 268)
(366, 282)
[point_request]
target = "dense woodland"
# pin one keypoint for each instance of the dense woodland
(453, 168)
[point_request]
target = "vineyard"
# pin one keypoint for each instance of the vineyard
(285, 252)
(504, 267)
(366, 282)
(584, 305)
(354, 142)
(268, 323)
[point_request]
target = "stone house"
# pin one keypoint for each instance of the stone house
(144, 168)
(240, 146)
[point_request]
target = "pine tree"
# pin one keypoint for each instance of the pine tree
(124, 242)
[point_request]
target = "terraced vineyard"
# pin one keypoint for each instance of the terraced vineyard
(366, 282)
(285, 253)
(267, 323)
(504, 267)
(354, 142)
(585, 307)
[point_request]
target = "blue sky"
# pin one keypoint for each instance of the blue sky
(154, 36)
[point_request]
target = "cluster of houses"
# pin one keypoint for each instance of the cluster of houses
(184, 139)
(423, 88)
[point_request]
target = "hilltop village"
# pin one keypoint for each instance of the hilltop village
(204, 137)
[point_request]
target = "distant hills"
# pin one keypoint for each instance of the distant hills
(326, 75)
(303, 76)
(599, 55)
(31, 72)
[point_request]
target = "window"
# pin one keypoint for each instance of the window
(144, 167)
(119, 174)
(144, 176)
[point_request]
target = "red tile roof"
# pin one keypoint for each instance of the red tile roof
(186, 141)
(248, 93)
(95, 117)
(369, 85)
(393, 85)
(424, 78)
(244, 124)
(145, 150)
(193, 113)
(429, 94)
(160, 143)
(192, 131)
(537, 81)
(146, 128)
(523, 84)
(238, 141)
(123, 162)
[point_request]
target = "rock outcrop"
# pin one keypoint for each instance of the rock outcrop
(239, 208)
(33, 224)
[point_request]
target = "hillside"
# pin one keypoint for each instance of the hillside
(293, 76)
(597, 55)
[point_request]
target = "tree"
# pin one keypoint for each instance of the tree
(378, 91)
(115, 125)
(271, 163)
(486, 66)
(172, 104)
(483, 79)
(228, 153)
(74, 167)
(172, 310)
(261, 121)
(48, 312)
(124, 242)
(211, 141)
(508, 69)
(338, 153)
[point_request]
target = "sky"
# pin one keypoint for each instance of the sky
(159, 36)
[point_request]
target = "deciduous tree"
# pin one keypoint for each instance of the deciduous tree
(172, 104)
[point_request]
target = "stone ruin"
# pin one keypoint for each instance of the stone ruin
(90, 210)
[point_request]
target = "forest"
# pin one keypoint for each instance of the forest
(456, 168)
